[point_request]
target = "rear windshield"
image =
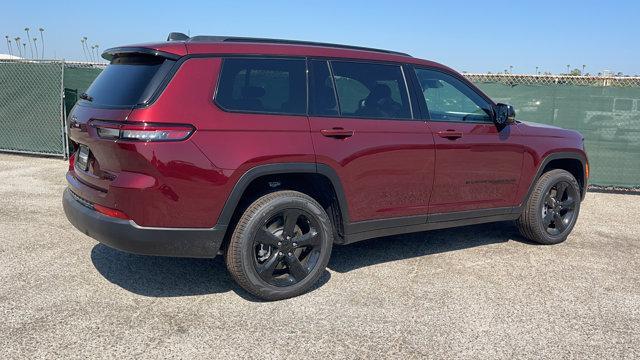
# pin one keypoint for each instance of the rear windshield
(129, 80)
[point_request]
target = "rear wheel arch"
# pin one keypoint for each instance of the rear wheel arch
(319, 181)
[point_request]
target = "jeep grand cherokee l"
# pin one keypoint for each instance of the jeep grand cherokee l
(272, 151)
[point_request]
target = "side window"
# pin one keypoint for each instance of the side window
(322, 97)
(449, 99)
(371, 90)
(263, 85)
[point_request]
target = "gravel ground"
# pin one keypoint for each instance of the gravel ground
(478, 291)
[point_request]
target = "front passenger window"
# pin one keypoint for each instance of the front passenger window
(449, 99)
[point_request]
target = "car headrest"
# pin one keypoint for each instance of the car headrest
(380, 91)
(252, 92)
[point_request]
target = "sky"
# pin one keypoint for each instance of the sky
(472, 36)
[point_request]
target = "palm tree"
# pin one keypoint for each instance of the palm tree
(84, 51)
(35, 45)
(29, 40)
(18, 46)
(92, 53)
(97, 53)
(86, 45)
(9, 44)
(568, 71)
(42, 41)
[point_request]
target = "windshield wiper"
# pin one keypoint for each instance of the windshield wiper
(85, 96)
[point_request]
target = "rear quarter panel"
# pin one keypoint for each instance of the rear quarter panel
(232, 142)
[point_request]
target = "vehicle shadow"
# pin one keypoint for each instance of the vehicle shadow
(156, 276)
(400, 247)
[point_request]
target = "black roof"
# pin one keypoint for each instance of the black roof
(175, 36)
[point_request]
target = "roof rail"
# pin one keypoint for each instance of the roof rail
(206, 38)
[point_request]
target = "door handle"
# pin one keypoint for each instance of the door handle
(338, 133)
(450, 134)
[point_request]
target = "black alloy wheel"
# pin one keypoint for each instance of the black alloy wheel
(558, 209)
(287, 247)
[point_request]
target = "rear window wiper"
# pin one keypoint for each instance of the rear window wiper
(85, 96)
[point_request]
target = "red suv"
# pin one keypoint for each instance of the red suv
(271, 151)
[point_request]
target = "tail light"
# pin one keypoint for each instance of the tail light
(72, 161)
(145, 132)
(110, 212)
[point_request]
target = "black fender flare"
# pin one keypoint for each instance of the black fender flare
(546, 161)
(281, 168)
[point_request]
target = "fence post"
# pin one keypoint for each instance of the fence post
(63, 114)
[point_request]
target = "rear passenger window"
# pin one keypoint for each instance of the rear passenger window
(371, 90)
(263, 86)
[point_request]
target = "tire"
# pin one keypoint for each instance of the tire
(271, 234)
(547, 218)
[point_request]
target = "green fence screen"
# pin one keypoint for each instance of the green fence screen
(606, 110)
(30, 107)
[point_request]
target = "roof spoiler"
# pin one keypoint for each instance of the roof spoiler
(109, 54)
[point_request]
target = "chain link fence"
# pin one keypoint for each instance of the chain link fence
(33, 104)
(35, 97)
(606, 110)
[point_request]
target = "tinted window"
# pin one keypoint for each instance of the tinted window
(263, 85)
(129, 80)
(371, 90)
(449, 99)
(322, 97)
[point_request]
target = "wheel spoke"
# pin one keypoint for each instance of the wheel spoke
(557, 220)
(264, 236)
(265, 270)
(561, 189)
(296, 269)
(290, 219)
(568, 204)
(546, 220)
(309, 239)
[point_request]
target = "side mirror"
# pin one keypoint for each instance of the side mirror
(504, 114)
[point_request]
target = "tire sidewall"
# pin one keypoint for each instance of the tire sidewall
(264, 214)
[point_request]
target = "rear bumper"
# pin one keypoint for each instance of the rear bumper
(127, 236)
